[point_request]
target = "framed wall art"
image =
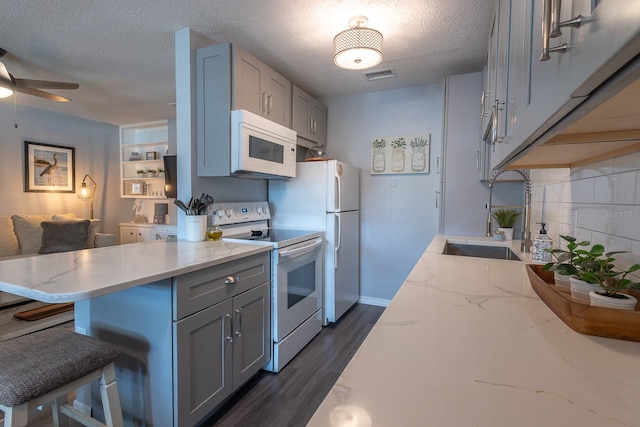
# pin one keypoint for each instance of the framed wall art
(49, 168)
(400, 154)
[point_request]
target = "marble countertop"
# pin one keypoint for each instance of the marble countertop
(79, 275)
(467, 342)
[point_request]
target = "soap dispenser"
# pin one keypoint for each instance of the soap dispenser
(540, 244)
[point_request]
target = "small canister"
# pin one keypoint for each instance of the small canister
(498, 236)
(540, 245)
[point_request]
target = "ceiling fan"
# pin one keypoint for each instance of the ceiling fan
(10, 84)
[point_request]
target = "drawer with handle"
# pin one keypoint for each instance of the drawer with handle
(200, 289)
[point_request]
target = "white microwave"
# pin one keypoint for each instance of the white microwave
(261, 148)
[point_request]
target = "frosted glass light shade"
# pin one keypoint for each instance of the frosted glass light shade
(357, 48)
(4, 92)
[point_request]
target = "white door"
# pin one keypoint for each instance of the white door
(342, 270)
(343, 187)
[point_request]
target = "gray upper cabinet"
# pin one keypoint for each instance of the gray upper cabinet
(229, 78)
(260, 89)
(545, 91)
(309, 119)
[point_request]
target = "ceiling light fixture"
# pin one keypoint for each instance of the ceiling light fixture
(359, 47)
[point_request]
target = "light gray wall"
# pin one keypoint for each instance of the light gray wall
(97, 147)
(397, 212)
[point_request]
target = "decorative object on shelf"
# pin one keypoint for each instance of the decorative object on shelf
(160, 172)
(585, 319)
(136, 188)
(359, 47)
(152, 173)
(88, 194)
(141, 173)
(49, 168)
(152, 155)
(506, 218)
(135, 156)
(393, 157)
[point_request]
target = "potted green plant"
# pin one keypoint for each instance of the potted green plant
(506, 218)
(160, 172)
(152, 172)
(566, 262)
(610, 279)
(141, 173)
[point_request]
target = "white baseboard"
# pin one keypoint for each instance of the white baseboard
(374, 301)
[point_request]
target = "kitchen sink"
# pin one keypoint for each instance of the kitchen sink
(480, 251)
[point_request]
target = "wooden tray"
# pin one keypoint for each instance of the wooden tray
(599, 321)
(44, 311)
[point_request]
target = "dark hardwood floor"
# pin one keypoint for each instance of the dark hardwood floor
(290, 397)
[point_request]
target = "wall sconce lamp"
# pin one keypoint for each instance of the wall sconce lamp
(359, 47)
(86, 194)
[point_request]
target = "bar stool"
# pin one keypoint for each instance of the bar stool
(44, 367)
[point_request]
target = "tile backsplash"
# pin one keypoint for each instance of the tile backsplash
(599, 203)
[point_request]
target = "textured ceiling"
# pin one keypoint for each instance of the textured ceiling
(122, 52)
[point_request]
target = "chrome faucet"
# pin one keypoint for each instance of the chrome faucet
(525, 241)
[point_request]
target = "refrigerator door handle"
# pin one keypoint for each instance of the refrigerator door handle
(338, 229)
(338, 185)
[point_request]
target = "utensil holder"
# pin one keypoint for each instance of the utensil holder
(196, 227)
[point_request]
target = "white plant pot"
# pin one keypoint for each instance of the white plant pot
(508, 233)
(627, 303)
(580, 290)
(562, 281)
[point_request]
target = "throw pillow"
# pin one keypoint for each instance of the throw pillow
(63, 236)
(8, 240)
(93, 226)
(29, 232)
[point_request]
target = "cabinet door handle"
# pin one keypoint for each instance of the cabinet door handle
(239, 328)
(556, 24)
(437, 198)
(264, 102)
(229, 337)
(231, 280)
(310, 124)
(478, 157)
(496, 123)
(483, 104)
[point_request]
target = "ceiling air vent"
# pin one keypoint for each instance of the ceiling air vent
(380, 74)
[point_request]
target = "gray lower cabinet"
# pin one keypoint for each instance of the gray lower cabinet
(218, 350)
(186, 343)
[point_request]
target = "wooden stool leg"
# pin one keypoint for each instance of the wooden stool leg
(110, 399)
(59, 419)
(18, 416)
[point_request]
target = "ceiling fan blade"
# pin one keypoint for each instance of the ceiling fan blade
(42, 94)
(5, 77)
(44, 84)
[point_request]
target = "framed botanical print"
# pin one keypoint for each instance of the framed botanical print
(49, 168)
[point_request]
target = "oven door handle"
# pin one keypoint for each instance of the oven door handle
(300, 250)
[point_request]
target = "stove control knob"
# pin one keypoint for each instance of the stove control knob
(220, 213)
(228, 212)
(259, 210)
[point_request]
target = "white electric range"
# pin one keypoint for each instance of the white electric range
(297, 281)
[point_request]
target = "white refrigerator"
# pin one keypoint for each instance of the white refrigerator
(325, 195)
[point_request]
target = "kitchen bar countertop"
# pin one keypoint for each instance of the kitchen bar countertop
(467, 342)
(80, 275)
